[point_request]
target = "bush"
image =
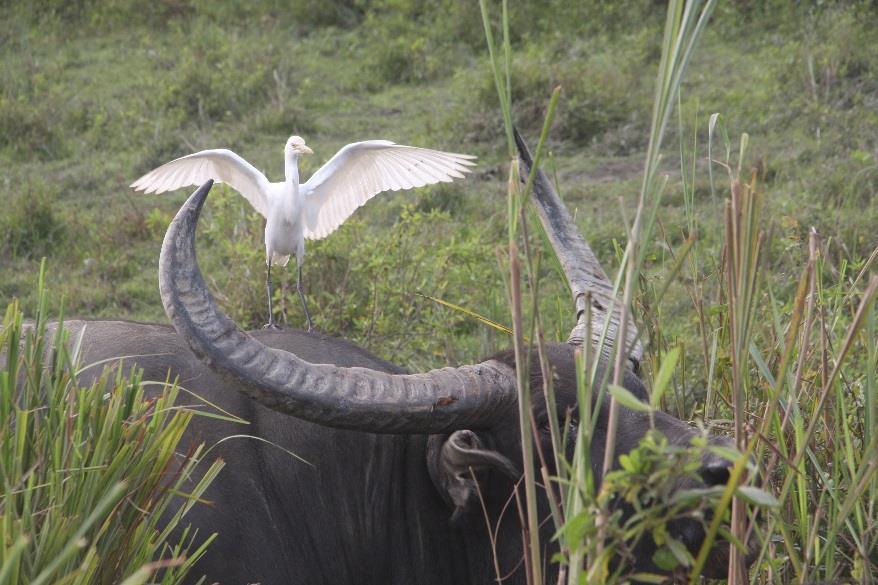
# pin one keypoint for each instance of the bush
(30, 226)
(605, 95)
(366, 284)
(644, 504)
(87, 470)
(102, 15)
(377, 298)
(28, 131)
(215, 77)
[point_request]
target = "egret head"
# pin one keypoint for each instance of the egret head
(296, 145)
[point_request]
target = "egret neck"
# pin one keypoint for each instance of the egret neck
(291, 167)
(284, 234)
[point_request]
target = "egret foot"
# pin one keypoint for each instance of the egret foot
(301, 292)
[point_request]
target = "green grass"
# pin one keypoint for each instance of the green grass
(88, 471)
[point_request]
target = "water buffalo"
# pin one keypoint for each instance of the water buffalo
(398, 464)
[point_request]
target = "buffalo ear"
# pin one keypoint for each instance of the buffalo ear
(458, 463)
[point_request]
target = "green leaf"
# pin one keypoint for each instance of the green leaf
(763, 368)
(730, 454)
(648, 578)
(139, 577)
(680, 552)
(627, 399)
(757, 497)
(660, 534)
(664, 376)
(469, 313)
(575, 529)
(691, 496)
(664, 559)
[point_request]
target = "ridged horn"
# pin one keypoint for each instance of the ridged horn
(584, 273)
(438, 401)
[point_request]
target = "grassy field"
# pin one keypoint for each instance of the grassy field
(94, 94)
(91, 98)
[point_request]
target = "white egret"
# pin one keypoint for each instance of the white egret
(312, 210)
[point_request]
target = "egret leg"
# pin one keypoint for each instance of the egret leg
(302, 297)
(271, 322)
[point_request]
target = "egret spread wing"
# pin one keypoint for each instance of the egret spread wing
(361, 170)
(221, 165)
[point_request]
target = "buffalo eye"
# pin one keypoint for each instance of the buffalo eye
(545, 427)
(571, 428)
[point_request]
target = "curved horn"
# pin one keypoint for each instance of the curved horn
(353, 398)
(584, 273)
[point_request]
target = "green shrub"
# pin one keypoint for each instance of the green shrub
(643, 501)
(376, 298)
(215, 77)
(30, 226)
(365, 283)
(404, 46)
(605, 97)
(88, 471)
(28, 131)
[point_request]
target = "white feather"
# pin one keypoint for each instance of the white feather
(221, 165)
(361, 170)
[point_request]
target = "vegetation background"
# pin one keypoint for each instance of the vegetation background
(95, 93)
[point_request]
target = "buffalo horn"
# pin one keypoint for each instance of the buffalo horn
(438, 401)
(584, 273)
